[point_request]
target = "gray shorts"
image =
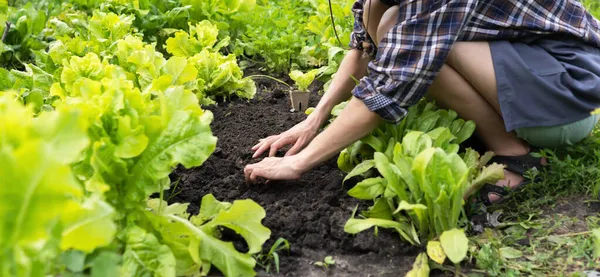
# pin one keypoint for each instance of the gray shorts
(546, 82)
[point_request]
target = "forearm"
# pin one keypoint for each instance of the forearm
(353, 67)
(355, 121)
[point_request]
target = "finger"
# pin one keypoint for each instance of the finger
(278, 144)
(260, 142)
(296, 148)
(255, 174)
(247, 173)
(266, 144)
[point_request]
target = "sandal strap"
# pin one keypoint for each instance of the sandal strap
(519, 164)
(484, 193)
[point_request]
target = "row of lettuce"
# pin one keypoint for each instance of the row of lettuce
(91, 128)
(276, 36)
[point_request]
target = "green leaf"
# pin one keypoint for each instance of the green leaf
(435, 251)
(455, 244)
(596, 236)
(303, 80)
(420, 267)
(465, 132)
(368, 189)
(510, 253)
(405, 206)
(106, 264)
(360, 169)
(181, 45)
(381, 209)
(244, 217)
(92, 226)
(344, 162)
(185, 139)
(37, 183)
(489, 175)
(374, 142)
(146, 256)
(415, 142)
(180, 70)
(355, 226)
(206, 33)
(73, 260)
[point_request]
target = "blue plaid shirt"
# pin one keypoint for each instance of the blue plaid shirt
(412, 53)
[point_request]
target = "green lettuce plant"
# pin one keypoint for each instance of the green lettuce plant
(420, 189)
(303, 80)
(218, 75)
(44, 208)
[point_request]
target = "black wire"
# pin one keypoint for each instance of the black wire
(333, 23)
(6, 30)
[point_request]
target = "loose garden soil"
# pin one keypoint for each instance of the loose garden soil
(310, 213)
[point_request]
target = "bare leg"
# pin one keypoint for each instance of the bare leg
(374, 13)
(467, 85)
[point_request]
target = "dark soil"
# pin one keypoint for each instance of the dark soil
(310, 213)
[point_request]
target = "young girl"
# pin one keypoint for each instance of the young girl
(527, 72)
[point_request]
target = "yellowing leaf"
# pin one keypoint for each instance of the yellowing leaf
(455, 244)
(420, 267)
(436, 252)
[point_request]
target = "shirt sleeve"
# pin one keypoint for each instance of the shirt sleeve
(359, 34)
(411, 54)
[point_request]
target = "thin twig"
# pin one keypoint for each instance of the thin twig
(269, 77)
(5, 31)
(567, 235)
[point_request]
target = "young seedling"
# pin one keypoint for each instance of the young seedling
(270, 258)
(299, 97)
(328, 261)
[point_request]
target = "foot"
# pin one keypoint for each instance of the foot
(511, 180)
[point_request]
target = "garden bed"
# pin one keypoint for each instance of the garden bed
(310, 213)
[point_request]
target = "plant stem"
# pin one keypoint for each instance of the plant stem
(269, 77)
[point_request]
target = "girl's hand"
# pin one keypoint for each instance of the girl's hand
(300, 136)
(286, 168)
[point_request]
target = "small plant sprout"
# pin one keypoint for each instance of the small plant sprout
(328, 261)
(299, 97)
(272, 258)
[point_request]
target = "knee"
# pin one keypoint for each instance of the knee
(462, 50)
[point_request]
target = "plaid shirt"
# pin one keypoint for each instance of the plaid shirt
(412, 53)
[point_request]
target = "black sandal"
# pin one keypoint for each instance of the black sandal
(517, 164)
